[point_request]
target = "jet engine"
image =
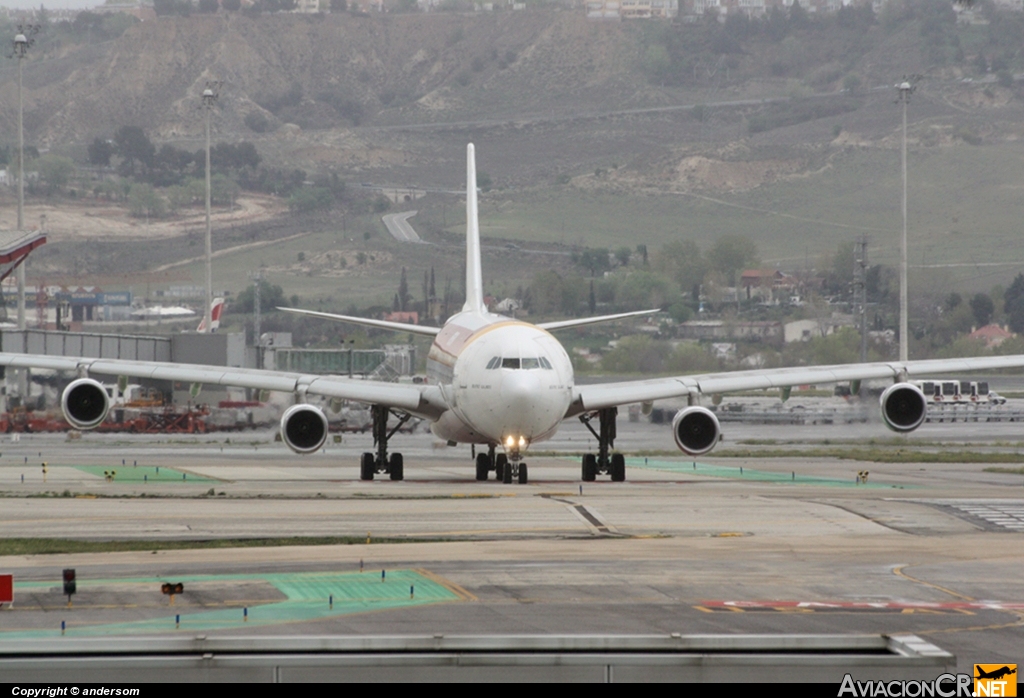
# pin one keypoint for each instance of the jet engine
(85, 403)
(903, 407)
(696, 430)
(304, 428)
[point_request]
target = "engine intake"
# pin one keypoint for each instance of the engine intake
(696, 430)
(85, 403)
(904, 407)
(304, 428)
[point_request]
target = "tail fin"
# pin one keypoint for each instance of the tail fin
(215, 311)
(474, 275)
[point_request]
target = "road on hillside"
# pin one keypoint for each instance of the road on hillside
(398, 225)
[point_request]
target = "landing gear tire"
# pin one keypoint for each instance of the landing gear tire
(589, 467)
(396, 467)
(506, 474)
(618, 467)
(500, 465)
(483, 466)
(522, 474)
(366, 467)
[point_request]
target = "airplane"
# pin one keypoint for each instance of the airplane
(501, 383)
(996, 673)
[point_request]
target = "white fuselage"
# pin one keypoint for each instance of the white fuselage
(506, 382)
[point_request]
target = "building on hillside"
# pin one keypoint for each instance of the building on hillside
(632, 9)
(769, 285)
(755, 8)
(309, 6)
(768, 331)
(408, 317)
(811, 328)
(993, 335)
(143, 11)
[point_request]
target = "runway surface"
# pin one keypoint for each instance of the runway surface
(788, 545)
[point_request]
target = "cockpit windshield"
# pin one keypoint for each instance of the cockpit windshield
(527, 362)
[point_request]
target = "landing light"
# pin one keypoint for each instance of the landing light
(510, 441)
(522, 442)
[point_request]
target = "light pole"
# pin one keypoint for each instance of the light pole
(21, 44)
(209, 100)
(905, 89)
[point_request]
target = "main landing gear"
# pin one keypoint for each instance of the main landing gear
(505, 470)
(372, 464)
(604, 463)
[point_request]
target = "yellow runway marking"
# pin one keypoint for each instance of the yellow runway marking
(449, 585)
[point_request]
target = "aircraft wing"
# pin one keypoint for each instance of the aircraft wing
(420, 400)
(601, 395)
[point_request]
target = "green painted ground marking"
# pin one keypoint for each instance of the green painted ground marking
(308, 595)
(128, 473)
(733, 472)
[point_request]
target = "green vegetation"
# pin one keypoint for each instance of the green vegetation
(63, 546)
(876, 455)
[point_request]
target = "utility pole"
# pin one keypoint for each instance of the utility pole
(209, 100)
(257, 277)
(905, 89)
(860, 269)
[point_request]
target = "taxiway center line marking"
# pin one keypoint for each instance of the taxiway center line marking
(898, 571)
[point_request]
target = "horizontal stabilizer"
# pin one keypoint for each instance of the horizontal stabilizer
(579, 322)
(367, 322)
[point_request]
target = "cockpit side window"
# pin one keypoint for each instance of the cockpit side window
(494, 363)
(544, 363)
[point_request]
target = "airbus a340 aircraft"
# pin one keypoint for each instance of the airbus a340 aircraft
(498, 382)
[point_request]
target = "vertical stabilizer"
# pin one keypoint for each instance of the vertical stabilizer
(215, 313)
(474, 276)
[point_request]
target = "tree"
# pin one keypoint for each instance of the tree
(403, 292)
(798, 18)
(133, 147)
(595, 260)
(339, 5)
(733, 253)
(310, 199)
(100, 151)
(208, 7)
(682, 261)
(271, 296)
(55, 170)
(231, 5)
(1013, 304)
(983, 309)
(144, 201)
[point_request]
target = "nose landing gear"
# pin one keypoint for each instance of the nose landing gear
(505, 469)
(371, 463)
(604, 463)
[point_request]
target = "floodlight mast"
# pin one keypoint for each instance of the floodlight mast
(905, 89)
(209, 100)
(21, 44)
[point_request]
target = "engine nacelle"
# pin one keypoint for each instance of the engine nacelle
(904, 407)
(304, 428)
(696, 430)
(85, 403)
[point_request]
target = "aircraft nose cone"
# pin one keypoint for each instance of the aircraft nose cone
(520, 389)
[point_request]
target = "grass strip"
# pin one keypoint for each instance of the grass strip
(63, 546)
(1011, 471)
(876, 455)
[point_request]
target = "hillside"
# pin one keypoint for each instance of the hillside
(590, 132)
